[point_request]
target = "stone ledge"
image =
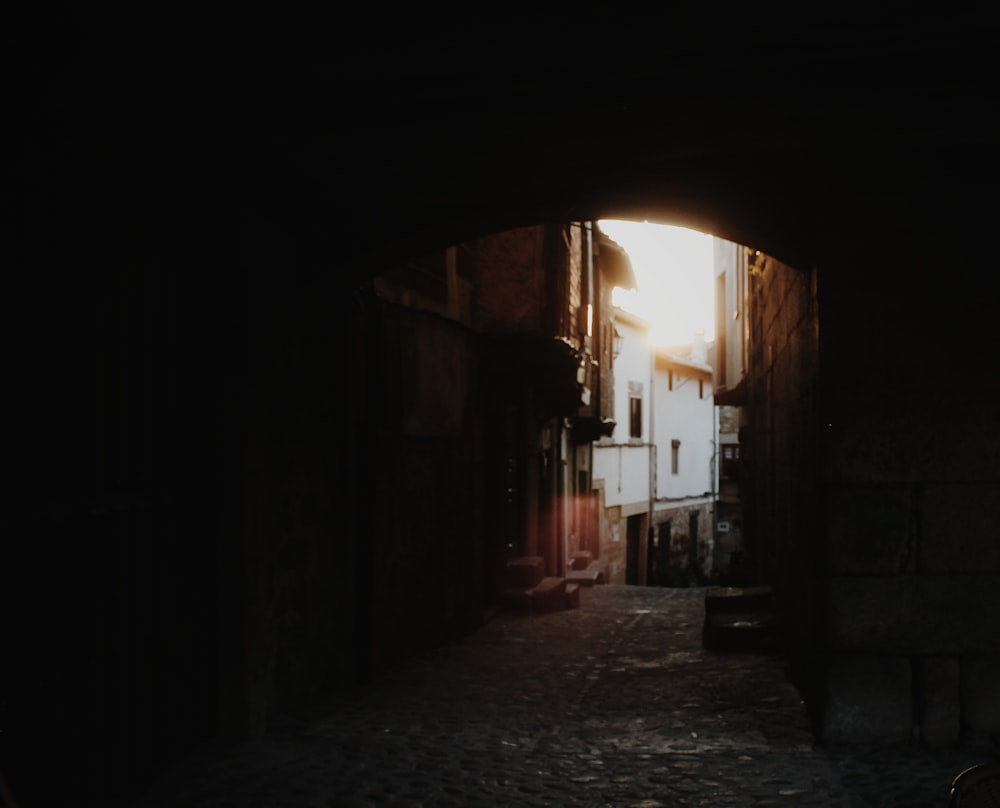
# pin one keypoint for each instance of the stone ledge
(587, 577)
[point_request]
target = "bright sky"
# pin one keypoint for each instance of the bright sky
(674, 273)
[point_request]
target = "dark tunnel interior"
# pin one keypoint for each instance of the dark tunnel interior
(230, 462)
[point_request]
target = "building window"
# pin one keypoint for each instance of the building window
(731, 461)
(675, 456)
(635, 417)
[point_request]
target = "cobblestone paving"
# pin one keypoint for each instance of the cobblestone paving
(615, 703)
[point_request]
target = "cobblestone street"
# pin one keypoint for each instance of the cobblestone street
(614, 703)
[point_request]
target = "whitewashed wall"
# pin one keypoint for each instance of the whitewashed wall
(623, 463)
(625, 471)
(632, 365)
(730, 267)
(682, 414)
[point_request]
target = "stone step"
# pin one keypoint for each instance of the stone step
(738, 598)
(740, 618)
(731, 630)
(516, 600)
(524, 572)
(572, 596)
(548, 595)
(587, 577)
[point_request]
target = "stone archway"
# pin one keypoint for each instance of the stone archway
(256, 184)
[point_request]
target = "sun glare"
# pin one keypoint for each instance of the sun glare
(674, 273)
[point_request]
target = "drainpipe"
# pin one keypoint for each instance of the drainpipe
(588, 347)
(589, 530)
(650, 529)
(714, 472)
(567, 515)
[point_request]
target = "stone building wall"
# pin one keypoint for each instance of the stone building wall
(186, 384)
(614, 546)
(510, 290)
(729, 420)
(877, 559)
(910, 550)
(778, 485)
(682, 563)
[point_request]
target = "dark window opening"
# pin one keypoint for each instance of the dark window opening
(663, 534)
(635, 417)
(730, 462)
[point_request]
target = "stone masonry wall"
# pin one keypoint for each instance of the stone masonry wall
(778, 448)
(910, 544)
(675, 567)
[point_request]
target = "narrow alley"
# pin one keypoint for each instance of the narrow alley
(612, 703)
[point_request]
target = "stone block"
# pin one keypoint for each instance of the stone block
(868, 698)
(959, 528)
(517, 600)
(937, 692)
(868, 529)
(913, 614)
(572, 596)
(586, 577)
(981, 694)
(524, 572)
(549, 595)
(754, 631)
(738, 598)
(870, 438)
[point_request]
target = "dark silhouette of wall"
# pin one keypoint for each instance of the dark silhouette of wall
(196, 207)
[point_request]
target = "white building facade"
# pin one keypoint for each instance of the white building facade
(685, 446)
(656, 477)
(622, 463)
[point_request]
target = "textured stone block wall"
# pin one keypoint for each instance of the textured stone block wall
(614, 545)
(909, 549)
(510, 287)
(778, 485)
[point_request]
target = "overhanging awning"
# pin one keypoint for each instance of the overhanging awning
(736, 397)
(548, 365)
(615, 263)
(588, 428)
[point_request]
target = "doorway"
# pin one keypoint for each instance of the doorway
(632, 547)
